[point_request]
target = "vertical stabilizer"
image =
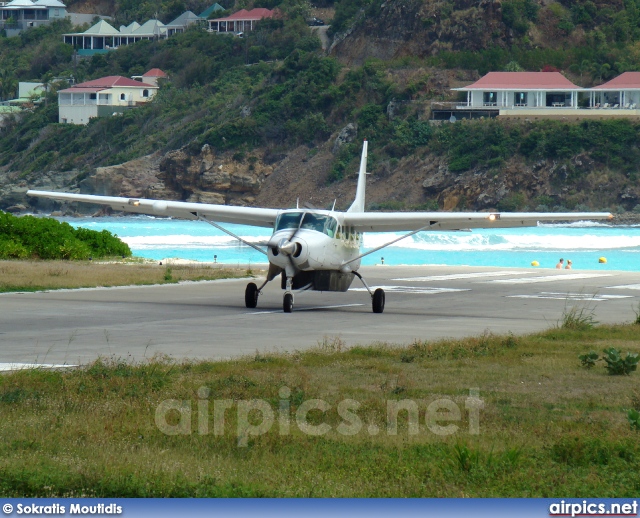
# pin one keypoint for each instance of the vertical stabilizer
(358, 203)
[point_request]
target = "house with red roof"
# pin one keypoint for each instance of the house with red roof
(622, 92)
(151, 77)
(102, 97)
(545, 95)
(241, 21)
(506, 90)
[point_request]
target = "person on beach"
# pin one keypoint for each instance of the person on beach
(568, 267)
(560, 264)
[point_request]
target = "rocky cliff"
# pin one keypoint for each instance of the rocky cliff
(260, 180)
(422, 28)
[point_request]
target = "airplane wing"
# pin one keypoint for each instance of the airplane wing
(178, 209)
(411, 221)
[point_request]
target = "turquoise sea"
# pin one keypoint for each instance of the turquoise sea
(582, 242)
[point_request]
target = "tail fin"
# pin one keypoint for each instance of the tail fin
(358, 203)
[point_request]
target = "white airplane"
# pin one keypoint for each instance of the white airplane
(316, 249)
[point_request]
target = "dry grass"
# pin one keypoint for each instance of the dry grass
(548, 427)
(50, 275)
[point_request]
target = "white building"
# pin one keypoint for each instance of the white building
(102, 97)
(18, 15)
(622, 92)
(509, 90)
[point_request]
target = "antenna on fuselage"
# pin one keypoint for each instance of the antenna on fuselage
(297, 203)
(334, 205)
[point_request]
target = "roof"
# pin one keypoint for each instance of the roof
(109, 82)
(255, 14)
(50, 3)
(129, 28)
(523, 81)
(154, 27)
(207, 12)
(185, 19)
(625, 81)
(20, 3)
(101, 28)
(155, 72)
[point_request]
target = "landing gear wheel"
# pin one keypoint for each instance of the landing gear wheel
(378, 301)
(251, 295)
(287, 303)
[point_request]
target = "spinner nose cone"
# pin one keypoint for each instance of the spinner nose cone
(287, 247)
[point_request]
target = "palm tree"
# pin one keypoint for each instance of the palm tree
(601, 71)
(583, 67)
(8, 84)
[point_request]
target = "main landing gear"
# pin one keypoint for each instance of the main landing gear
(377, 297)
(252, 292)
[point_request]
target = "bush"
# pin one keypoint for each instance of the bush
(589, 359)
(633, 416)
(617, 365)
(46, 238)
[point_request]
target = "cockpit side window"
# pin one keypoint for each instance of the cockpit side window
(288, 220)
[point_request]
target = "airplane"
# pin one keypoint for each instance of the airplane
(315, 249)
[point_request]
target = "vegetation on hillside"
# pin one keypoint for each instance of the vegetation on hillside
(290, 94)
(47, 238)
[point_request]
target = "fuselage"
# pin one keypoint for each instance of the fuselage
(314, 240)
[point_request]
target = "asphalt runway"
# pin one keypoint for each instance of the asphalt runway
(209, 320)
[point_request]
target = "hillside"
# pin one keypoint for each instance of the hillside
(222, 131)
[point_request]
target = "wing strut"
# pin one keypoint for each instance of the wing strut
(426, 227)
(203, 218)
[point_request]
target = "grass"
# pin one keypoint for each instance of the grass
(547, 428)
(52, 275)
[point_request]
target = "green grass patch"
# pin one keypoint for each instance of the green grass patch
(546, 427)
(29, 276)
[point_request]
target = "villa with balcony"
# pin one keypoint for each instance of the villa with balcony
(19, 15)
(241, 21)
(102, 97)
(547, 95)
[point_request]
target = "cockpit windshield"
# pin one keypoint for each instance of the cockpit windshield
(288, 220)
(311, 221)
(319, 222)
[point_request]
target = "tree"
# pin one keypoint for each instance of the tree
(513, 66)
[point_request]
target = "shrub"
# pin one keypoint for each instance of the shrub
(578, 318)
(617, 365)
(589, 359)
(633, 416)
(45, 238)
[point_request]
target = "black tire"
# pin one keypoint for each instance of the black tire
(378, 301)
(251, 295)
(287, 303)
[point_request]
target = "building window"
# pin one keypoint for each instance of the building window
(123, 97)
(490, 98)
(145, 93)
(93, 97)
(520, 99)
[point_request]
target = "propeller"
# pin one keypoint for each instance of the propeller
(287, 246)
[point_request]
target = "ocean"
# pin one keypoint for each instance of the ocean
(582, 242)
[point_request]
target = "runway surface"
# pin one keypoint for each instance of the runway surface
(209, 320)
